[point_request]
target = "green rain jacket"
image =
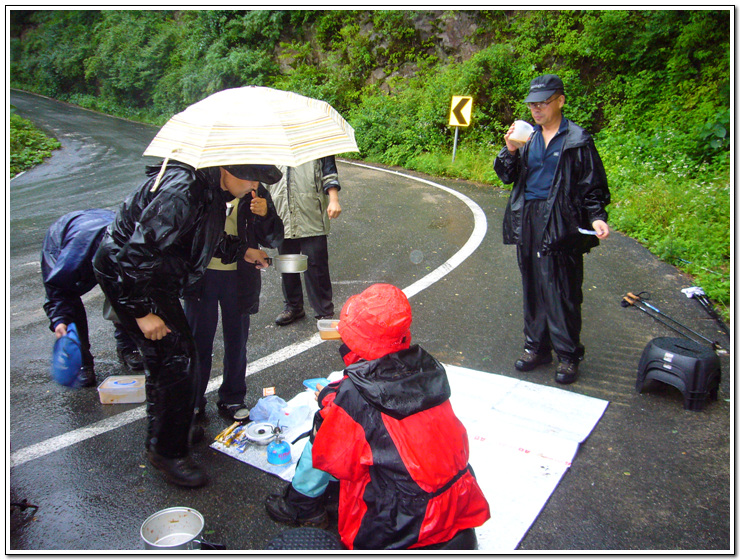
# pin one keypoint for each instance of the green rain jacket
(301, 197)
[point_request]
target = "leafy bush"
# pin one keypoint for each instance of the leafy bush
(28, 145)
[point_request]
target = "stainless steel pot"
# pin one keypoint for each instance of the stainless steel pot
(175, 528)
(286, 264)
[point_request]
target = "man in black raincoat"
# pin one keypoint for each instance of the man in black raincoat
(158, 247)
(556, 213)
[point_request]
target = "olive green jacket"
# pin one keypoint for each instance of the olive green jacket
(301, 197)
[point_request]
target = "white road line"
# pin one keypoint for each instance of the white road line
(51, 445)
(475, 239)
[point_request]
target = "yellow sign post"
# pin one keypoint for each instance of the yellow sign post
(460, 111)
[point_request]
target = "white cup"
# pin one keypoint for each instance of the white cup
(522, 131)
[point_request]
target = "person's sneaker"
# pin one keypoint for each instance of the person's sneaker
(567, 372)
(132, 359)
(181, 471)
(237, 412)
(288, 316)
(293, 508)
(530, 360)
(329, 316)
(87, 376)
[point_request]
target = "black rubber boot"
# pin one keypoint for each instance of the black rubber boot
(293, 508)
(181, 471)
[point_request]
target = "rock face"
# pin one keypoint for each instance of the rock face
(447, 35)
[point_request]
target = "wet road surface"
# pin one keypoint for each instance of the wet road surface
(652, 476)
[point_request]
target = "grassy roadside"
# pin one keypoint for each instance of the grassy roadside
(29, 146)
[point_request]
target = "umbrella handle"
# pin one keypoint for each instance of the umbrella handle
(159, 175)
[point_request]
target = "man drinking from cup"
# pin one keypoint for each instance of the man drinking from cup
(559, 192)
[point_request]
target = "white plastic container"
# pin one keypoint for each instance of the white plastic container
(328, 329)
(122, 389)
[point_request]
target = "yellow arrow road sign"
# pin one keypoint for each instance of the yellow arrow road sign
(460, 110)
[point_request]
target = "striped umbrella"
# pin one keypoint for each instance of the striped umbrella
(253, 125)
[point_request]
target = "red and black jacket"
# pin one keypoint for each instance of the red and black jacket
(390, 436)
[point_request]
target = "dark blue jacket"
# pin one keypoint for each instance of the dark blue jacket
(66, 260)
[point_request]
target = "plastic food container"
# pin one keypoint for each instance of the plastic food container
(122, 389)
(328, 329)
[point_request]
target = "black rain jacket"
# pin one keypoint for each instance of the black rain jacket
(578, 197)
(162, 241)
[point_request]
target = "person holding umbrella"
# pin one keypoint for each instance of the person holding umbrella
(158, 246)
(235, 288)
(555, 214)
(167, 232)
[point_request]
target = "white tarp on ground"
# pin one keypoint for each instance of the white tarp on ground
(523, 437)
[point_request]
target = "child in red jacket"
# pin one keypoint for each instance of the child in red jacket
(388, 433)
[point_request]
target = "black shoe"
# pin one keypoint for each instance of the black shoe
(131, 359)
(182, 471)
(236, 412)
(329, 316)
(293, 508)
(288, 316)
(87, 377)
(567, 372)
(529, 360)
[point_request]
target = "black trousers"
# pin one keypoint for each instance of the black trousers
(318, 281)
(551, 290)
(220, 289)
(171, 372)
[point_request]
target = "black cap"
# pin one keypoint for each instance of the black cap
(543, 87)
(267, 174)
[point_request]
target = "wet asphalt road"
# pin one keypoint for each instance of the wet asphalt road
(652, 476)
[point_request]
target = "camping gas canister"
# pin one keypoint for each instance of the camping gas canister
(278, 452)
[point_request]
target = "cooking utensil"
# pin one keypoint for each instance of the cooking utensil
(260, 433)
(287, 264)
(175, 528)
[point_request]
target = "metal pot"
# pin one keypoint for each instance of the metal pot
(175, 528)
(286, 264)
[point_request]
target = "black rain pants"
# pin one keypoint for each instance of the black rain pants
(171, 372)
(551, 290)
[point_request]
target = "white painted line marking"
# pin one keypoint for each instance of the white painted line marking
(51, 445)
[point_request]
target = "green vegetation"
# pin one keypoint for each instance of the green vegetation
(28, 145)
(652, 85)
